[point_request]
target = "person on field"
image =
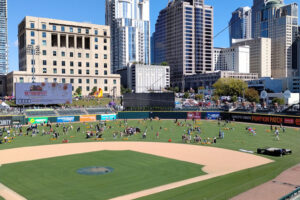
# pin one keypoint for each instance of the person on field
(276, 134)
(157, 135)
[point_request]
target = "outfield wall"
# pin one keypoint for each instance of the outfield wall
(239, 117)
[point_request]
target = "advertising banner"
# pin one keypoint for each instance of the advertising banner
(38, 120)
(88, 118)
(212, 115)
(108, 117)
(43, 93)
(5, 121)
(65, 119)
(194, 115)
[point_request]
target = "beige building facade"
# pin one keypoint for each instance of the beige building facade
(260, 55)
(69, 52)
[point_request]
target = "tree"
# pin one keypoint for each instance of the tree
(199, 96)
(252, 95)
(215, 98)
(279, 101)
(94, 90)
(125, 90)
(164, 64)
(78, 91)
(234, 99)
(186, 95)
(230, 87)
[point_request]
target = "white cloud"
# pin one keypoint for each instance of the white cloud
(16, 43)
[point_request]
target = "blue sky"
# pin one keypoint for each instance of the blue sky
(94, 11)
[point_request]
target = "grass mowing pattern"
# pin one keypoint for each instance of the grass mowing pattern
(217, 188)
(57, 178)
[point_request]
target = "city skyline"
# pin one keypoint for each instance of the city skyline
(79, 12)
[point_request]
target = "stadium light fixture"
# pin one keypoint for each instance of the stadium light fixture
(34, 51)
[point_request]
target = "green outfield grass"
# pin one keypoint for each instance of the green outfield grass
(218, 188)
(1, 198)
(57, 178)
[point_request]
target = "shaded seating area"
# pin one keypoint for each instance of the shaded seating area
(38, 113)
(71, 112)
(96, 111)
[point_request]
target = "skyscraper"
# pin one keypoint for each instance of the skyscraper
(279, 22)
(130, 31)
(240, 24)
(3, 38)
(184, 39)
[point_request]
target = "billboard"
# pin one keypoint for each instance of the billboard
(43, 93)
(38, 120)
(194, 115)
(108, 117)
(213, 115)
(88, 118)
(5, 121)
(65, 119)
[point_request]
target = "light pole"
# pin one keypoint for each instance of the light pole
(33, 50)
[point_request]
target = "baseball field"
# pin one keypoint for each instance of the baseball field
(155, 167)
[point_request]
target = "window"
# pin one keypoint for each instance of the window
(79, 71)
(46, 80)
(79, 64)
(32, 42)
(96, 65)
(54, 71)
(96, 39)
(71, 54)
(44, 52)
(31, 25)
(71, 71)
(63, 71)
(54, 62)
(71, 29)
(32, 33)
(105, 89)
(44, 43)
(63, 54)
(105, 48)
(105, 72)
(105, 33)
(115, 81)
(54, 53)
(96, 32)
(33, 70)
(71, 80)
(87, 55)
(44, 26)
(63, 63)
(44, 34)
(96, 46)
(105, 40)
(87, 88)
(105, 65)
(44, 62)
(63, 80)
(79, 30)
(71, 64)
(96, 55)
(87, 81)
(44, 70)
(32, 62)
(63, 29)
(54, 28)
(105, 81)
(87, 72)
(105, 56)
(96, 72)
(55, 80)
(79, 55)
(95, 81)
(87, 64)
(79, 80)
(21, 80)
(87, 31)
